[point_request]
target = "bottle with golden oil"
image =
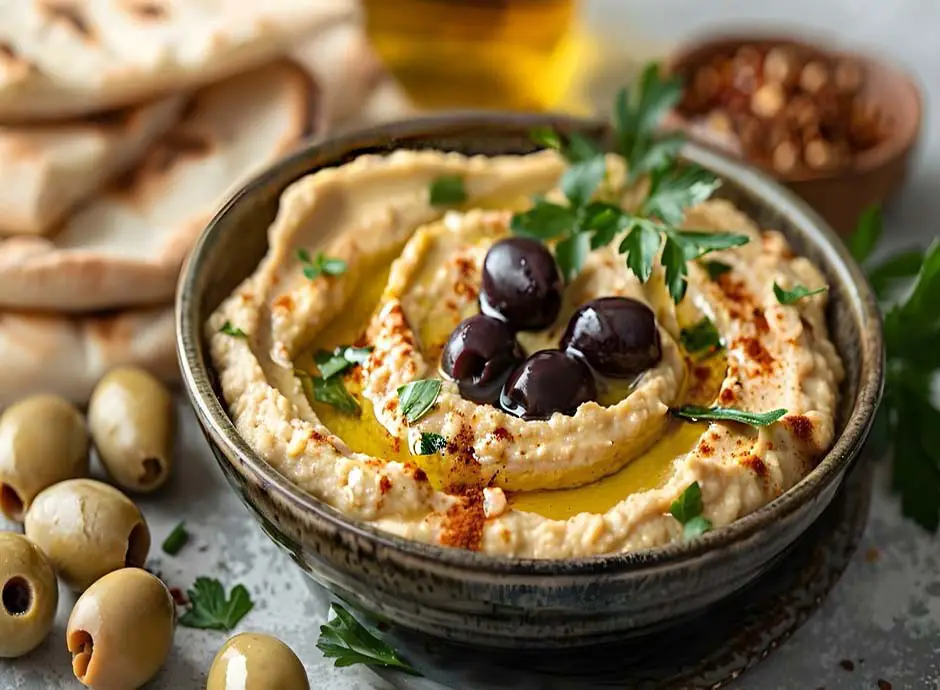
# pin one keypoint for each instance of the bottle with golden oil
(499, 54)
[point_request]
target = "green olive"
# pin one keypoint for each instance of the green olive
(121, 630)
(255, 661)
(131, 420)
(28, 595)
(87, 529)
(42, 441)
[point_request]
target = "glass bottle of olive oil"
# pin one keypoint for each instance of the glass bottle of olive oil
(500, 54)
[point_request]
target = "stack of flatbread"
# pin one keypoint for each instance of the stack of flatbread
(124, 124)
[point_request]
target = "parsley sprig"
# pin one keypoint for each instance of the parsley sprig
(582, 224)
(348, 642)
(210, 609)
(908, 422)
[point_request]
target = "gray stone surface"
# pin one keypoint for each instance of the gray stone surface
(883, 616)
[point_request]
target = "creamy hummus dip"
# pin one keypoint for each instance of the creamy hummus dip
(597, 481)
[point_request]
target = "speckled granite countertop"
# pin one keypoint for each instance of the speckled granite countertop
(882, 621)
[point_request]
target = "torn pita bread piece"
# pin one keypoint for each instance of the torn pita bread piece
(45, 170)
(67, 356)
(67, 58)
(125, 247)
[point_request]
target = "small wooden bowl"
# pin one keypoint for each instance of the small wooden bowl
(875, 174)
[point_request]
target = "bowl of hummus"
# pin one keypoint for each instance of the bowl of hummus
(522, 393)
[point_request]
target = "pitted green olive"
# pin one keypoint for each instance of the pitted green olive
(254, 661)
(131, 420)
(87, 529)
(42, 441)
(121, 630)
(28, 595)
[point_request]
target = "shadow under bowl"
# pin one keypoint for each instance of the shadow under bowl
(875, 174)
(491, 601)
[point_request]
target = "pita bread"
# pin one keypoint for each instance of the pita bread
(66, 58)
(126, 247)
(45, 170)
(57, 354)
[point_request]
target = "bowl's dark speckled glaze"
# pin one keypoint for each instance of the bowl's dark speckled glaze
(501, 602)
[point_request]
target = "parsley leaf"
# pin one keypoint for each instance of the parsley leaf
(571, 253)
(794, 295)
(330, 391)
(321, 264)
(696, 243)
(701, 338)
(715, 269)
(544, 221)
(676, 268)
(581, 180)
(348, 642)
(636, 115)
(209, 609)
(176, 540)
(641, 245)
(868, 231)
(228, 328)
(696, 527)
(576, 149)
(417, 398)
(447, 190)
(429, 444)
(672, 190)
(340, 359)
(696, 413)
(687, 509)
(547, 137)
(903, 265)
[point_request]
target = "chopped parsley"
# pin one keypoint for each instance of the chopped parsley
(176, 540)
(339, 360)
(321, 264)
(795, 294)
(447, 190)
(230, 329)
(688, 509)
(429, 444)
(701, 339)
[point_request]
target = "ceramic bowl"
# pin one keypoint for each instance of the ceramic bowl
(839, 196)
(488, 601)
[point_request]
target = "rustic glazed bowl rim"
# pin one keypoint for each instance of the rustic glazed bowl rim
(837, 260)
(895, 143)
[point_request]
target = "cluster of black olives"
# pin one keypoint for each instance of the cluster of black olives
(522, 290)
